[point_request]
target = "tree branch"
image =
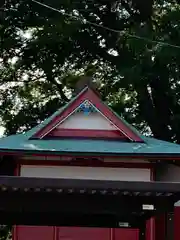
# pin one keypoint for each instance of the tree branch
(58, 86)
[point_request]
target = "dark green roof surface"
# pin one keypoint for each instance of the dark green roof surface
(22, 142)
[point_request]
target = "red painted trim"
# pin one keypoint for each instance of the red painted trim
(74, 154)
(112, 237)
(114, 134)
(152, 173)
(17, 169)
(15, 233)
(85, 163)
(94, 99)
(151, 223)
(55, 233)
(176, 223)
(156, 158)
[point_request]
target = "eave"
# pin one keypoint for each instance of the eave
(94, 200)
(147, 156)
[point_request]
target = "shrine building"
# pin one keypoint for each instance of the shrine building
(85, 173)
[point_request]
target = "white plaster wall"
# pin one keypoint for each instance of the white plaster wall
(92, 121)
(97, 173)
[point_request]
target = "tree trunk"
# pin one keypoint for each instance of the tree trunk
(149, 111)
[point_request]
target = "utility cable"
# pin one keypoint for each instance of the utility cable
(107, 28)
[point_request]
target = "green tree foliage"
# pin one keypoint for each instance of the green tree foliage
(5, 232)
(43, 53)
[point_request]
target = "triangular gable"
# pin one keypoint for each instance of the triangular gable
(87, 116)
(86, 121)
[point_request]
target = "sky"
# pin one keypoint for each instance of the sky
(1, 131)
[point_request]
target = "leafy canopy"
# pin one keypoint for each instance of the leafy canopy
(43, 53)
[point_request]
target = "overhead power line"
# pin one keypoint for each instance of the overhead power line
(107, 28)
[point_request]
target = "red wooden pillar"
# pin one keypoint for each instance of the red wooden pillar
(160, 227)
(176, 223)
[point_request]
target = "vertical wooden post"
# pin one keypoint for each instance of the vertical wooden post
(169, 226)
(142, 231)
(160, 227)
